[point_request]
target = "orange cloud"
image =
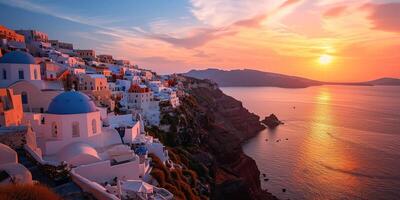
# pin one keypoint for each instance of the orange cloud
(335, 11)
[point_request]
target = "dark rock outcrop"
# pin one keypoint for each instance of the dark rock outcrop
(218, 124)
(271, 121)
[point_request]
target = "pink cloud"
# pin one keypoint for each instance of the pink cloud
(384, 17)
(335, 11)
(255, 21)
(201, 36)
(198, 37)
(252, 22)
(289, 3)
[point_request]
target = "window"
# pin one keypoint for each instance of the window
(54, 129)
(21, 74)
(24, 98)
(35, 76)
(75, 129)
(4, 74)
(94, 126)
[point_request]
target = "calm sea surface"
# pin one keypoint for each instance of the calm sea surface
(338, 142)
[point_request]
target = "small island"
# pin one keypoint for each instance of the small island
(271, 121)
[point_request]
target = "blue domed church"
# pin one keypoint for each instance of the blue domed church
(72, 123)
(16, 66)
(19, 71)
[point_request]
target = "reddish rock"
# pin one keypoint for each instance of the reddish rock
(227, 125)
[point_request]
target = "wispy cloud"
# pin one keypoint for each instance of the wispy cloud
(276, 35)
(198, 37)
(34, 7)
(384, 17)
(335, 11)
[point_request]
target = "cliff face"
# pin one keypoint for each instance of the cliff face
(218, 124)
(227, 112)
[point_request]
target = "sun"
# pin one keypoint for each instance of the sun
(325, 59)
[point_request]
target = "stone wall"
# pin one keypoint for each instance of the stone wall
(14, 137)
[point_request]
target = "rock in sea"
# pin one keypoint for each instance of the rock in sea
(272, 121)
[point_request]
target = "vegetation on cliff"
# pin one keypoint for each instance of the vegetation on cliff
(27, 192)
(204, 136)
(181, 181)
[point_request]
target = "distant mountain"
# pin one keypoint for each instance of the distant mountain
(248, 77)
(385, 81)
(254, 78)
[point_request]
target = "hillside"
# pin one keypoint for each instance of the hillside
(205, 133)
(255, 78)
(385, 81)
(248, 77)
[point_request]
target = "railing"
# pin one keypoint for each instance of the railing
(88, 186)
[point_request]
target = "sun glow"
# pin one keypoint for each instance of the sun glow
(325, 59)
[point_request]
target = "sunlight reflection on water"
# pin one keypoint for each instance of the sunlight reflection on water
(334, 145)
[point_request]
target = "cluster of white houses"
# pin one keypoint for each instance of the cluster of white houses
(96, 126)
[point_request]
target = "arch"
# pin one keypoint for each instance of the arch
(94, 126)
(75, 129)
(24, 97)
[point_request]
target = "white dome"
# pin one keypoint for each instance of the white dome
(78, 154)
(8, 155)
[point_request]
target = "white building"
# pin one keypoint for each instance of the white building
(77, 71)
(20, 72)
(72, 131)
(14, 172)
(168, 94)
(16, 66)
(156, 86)
(139, 99)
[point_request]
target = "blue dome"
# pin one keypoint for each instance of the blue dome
(141, 150)
(18, 57)
(71, 103)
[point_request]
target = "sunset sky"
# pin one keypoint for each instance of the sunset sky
(331, 40)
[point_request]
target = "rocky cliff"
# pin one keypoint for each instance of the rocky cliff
(212, 126)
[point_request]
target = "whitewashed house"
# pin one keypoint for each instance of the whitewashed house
(139, 99)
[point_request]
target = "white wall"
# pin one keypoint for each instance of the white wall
(103, 171)
(132, 133)
(13, 72)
